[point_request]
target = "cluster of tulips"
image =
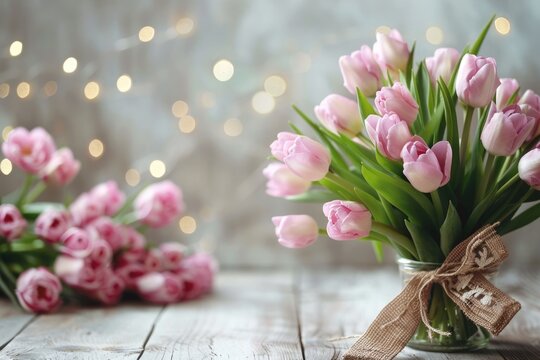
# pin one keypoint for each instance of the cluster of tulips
(392, 165)
(93, 248)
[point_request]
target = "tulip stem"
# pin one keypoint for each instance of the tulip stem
(398, 238)
(469, 110)
(24, 190)
(486, 177)
(507, 185)
(438, 205)
(35, 192)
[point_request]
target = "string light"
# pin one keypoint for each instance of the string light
(180, 108)
(133, 178)
(6, 131)
(4, 90)
(502, 25)
(275, 85)
(157, 168)
(96, 148)
(263, 102)
(383, 29)
(184, 26)
(434, 35)
(207, 99)
(233, 127)
(223, 70)
(146, 34)
(187, 224)
(123, 83)
(91, 90)
(70, 65)
(50, 88)
(6, 166)
(187, 124)
(16, 48)
(23, 90)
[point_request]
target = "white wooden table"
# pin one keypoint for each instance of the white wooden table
(252, 315)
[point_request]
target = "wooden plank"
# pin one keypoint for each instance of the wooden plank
(251, 315)
(13, 320)
(338, 303)
(85, 333)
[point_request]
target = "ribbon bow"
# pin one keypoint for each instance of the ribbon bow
(462, 278)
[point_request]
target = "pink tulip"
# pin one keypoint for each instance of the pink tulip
(441, 65)
(110, 291)
(77, 242)
(389, 133)
(85, 209)
(154, 260)
(530, 105)
(283, 182)
(113, 233)
(506, 131)
(51, 224)
(360, 70)
(172, 254)
(347, 220)
(160, 288)
(529, 168)
(504, 92)
(339, 115)
(38, 290)
(476, 80)
(12, 224)
(101, 254)
(81, 274)
(159, 204)
(29, 150)
(130, 274)
(61, 169)
(136, 262)
(205, 268)
(397, 99)
(110, 195)
(427, 169)
(391, 52)
(304, 156)
(134, 239)
(296, 231)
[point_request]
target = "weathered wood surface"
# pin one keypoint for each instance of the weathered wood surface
(253, 315)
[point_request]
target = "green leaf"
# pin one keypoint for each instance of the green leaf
(410, 63)
(33, 210)
(378, 250)
(521, 220)
(451, 129)
(451, 230)
(480, 40)
(364, 106)
(428, 250)
(390, 165)
(316, 196)
(373, 205)
(295, 128)
(421, 84)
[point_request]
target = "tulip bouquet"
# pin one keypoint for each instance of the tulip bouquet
(393, 167)
(93, 248)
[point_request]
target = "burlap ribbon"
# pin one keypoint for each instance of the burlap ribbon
(462, 278)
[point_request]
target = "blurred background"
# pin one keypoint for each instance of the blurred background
(195, 91)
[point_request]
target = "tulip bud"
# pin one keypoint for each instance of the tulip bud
(427, 169)
(158, 204)
(339, 115)
(51, 224)
(110, 195)
(360, 70)
(529, 168)
(61, 169)
(476, 80)
(397, 99)
(160, 287)
(391, 52)
(506, 131)
(283, 182)
(12, 224)
(304, 156)
(389, 133)
(296, 231)
(441, 65)
(38, 290)
(347, 220)
(504, 92)
(530, 105)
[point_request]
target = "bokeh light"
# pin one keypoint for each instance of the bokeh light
(185, 26)
(96, 148)
(146, 33)
(157, 168)
(23, 89)
(50, 88)
(123, 83)
(187, 124)
(4, 90)
(5, 132)
(91, 90)
(434, 35)
(6, 166)
(232, 127)
(275, 85)
(70, 65)
(180, 108)
(263, 102)
(187, 224)
(16, 48)
(223, 70)
(502, 25)
(133, 178)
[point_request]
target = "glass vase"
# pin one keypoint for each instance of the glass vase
(444, 315)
